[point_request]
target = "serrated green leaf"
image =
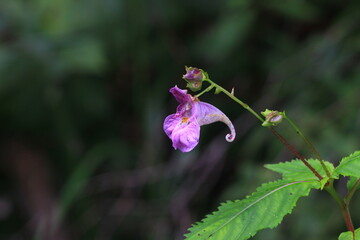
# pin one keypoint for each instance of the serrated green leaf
(323, 182)
(297, 171)
(349, 236)
(239, 220)
(351, 183)
(349, 166)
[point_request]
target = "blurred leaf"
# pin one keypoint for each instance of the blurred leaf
(6, 57)
(228, 33)
(296, 9)
(84, 54)
(87, 98)
(55, 15)
(15, 9)
(81, 174)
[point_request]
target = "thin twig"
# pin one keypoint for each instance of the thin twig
(296, 153)
(309, 143)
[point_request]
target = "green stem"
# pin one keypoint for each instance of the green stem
(247, 107)
(244, 105)
(309, 143)
(351, 192)
(296, 153)
(342, 205)
(205, 90)
(330, 189)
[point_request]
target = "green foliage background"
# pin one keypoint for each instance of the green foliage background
(84, 91)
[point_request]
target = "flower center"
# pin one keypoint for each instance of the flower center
(184, 120)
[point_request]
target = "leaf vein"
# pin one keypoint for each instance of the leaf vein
(253, 203)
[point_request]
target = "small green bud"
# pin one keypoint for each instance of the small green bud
(266, 112)
(266, 124)
(194, 86)
(272, 118)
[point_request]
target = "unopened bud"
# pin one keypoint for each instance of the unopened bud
(194, 86)
(194, 78)
(193, 74)
(272, 118)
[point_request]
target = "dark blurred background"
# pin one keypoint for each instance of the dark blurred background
(84, 92)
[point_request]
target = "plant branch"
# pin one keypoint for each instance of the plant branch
(247, 107)
(351, 192)
(329, 187)
(309, 143)
(205, 90)
(343, 206)
(244, 105)
(296, 153)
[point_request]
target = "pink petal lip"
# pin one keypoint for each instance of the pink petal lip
(186, 136)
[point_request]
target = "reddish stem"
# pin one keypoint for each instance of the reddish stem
(296, 153)
(347, 217)
(343, 204)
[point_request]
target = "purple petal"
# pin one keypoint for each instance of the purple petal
(170, 123)
(185, 136)
(183, 127)
(206, 113)
(181, 95)
(193, 74)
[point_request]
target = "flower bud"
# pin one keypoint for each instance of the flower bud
(193, 74)
(194, 86)
(194, 78)
(272, 118)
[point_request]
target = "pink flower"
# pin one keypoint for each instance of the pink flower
(183, 127)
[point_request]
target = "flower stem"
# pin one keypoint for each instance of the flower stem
(343, 206)
(247, 107)
(206, 90)
(244, 105)
(296, 153)
(351, 192)
(309, 143)
(329, 187)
